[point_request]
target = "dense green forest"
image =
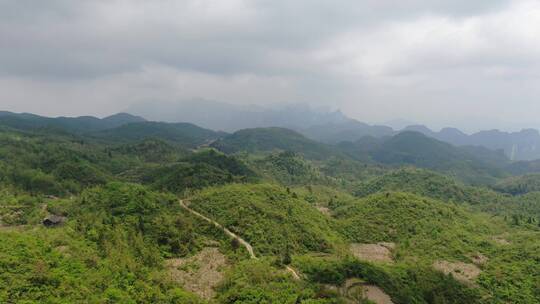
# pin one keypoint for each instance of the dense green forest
(121, 210)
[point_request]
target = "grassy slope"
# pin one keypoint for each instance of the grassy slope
(416, 149)
(427, 230)
(519, 184)
(437, 186)
(269, 217)
(274, 139)
(428, 183)
(286, 168)
(39, 265)
(118, 233)
(184, 134)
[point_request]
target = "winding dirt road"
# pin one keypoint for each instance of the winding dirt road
(233, 235)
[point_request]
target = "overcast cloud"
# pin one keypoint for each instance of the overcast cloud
(471, 64)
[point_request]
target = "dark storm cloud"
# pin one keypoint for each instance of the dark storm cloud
(376, 59)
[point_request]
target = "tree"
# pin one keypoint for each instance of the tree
(515, 220)
(235, 244)
(287, 259)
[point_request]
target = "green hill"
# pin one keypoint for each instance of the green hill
(416, 149)
(287, 168)
(184, 134)
(269, 217)
(52, 164)
(150, 150)
(82, 124)
(96, 218)
(522, 207)
(231, 164)
(197, 171)
(433, 185)
(273, 139)
(397, 216)
(524, 167)
(527, 209)
(115, 238)
(519, 184)
(427, 230)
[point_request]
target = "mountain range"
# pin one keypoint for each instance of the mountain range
(72, 124)
(327, 126)
(331, 127)
(228, 117)
(124, 210)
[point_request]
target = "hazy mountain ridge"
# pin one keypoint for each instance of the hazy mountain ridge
(274, 139)
(185, 134)
(327, 126)
(522, 145)
(230, 118)
(350, 130)
(331, 127)
(471, 165)
(79, 124)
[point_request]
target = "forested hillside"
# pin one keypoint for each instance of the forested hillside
(274, 139)
(416, 149)
(131, 211)
(73, 124)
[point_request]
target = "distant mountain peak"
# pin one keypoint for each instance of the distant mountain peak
(452, 131)
(125, 117)
(231, 117)
(530, 132)
(81, 124)
(418, 128)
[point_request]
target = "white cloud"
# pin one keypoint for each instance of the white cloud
(503, 38)
(433, 61)
(113, 93)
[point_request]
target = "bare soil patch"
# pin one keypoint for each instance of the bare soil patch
(380, 252)
(11, 228)
(466, 273)
(376, 295)
(501, 240)
(64, 250)
(200, 273)
(324, 210)
(478, 259)
(354, 290)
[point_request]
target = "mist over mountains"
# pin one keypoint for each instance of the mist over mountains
(27, 121)
(328, 126)
(228, 117)
(522, 145)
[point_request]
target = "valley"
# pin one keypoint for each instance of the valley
(143, 212)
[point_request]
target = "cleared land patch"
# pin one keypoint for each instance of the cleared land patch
(200, 273)
(501, 240)
(478, 259)
(324, 210)
(376, 295)
(354, 290)
(380, 252)
(466, 273)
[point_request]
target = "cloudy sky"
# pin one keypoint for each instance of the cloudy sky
(471, 64)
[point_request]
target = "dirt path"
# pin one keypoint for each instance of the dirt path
(233, 235)
(12, 228)
(295, 275)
